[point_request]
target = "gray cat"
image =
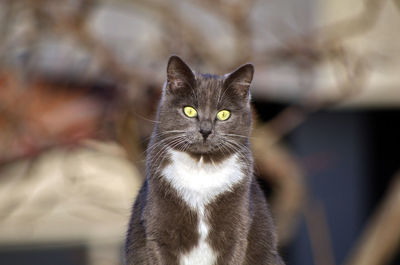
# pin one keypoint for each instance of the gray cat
(200, 203)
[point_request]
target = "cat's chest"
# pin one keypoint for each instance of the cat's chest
(199, 183)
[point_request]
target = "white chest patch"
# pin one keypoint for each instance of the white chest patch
(198, 184)
(202, 254)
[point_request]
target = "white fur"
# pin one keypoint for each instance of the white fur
(198, 184)
(202, 254)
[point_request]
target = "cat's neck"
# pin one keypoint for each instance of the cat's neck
(199, 182)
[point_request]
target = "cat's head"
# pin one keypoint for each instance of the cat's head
(202, 113)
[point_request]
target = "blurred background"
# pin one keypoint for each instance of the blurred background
(79, 85)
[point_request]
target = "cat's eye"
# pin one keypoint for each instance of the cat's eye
(223, 115)
(190, 112)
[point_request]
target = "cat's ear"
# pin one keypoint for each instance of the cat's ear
(179, 75)
(240, 80)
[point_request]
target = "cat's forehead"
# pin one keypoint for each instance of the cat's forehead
(208, 88)
(207, 92)
(209, 82)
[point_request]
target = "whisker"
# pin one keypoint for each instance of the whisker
(236, 135)
(172, 144)
(144, 118)
(238, 148)
(164, 133)
(159, 157)
(160, 143)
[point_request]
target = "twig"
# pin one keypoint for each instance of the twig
(381, 237)
(318, 230)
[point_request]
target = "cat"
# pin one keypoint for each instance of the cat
(200, 203)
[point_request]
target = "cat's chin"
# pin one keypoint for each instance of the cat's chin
(202, 150)
(208, 152)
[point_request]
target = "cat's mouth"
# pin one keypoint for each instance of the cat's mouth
(204, 146)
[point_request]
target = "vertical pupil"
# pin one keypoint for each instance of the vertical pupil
(223, 115)
(190, 111)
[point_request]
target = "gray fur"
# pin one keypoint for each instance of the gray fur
(162, 226)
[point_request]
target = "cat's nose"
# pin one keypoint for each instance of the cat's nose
(205, 133)
(205, 128)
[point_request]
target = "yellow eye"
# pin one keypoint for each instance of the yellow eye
(223, 115)
(190, 112)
